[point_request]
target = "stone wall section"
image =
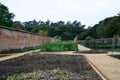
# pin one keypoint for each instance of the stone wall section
(11, 39)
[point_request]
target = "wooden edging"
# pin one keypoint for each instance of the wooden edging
(102, 75)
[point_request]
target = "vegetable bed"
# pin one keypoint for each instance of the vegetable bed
(38, 66)
(60, 46)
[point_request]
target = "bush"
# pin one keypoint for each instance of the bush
(60, 46)
(88, 38)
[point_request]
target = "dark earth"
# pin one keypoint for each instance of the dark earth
(73, 67)
(116, 56)
(93, 52)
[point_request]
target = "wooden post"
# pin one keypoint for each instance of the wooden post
(113, 44)
(96, 44)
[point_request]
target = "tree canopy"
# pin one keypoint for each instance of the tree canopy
(106, 28)
(66, 31)
(6, 18)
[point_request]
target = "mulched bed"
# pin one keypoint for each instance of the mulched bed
(74, 66)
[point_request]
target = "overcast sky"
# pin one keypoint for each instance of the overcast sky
(88, 12)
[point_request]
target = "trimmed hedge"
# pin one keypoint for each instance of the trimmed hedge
(60, 46)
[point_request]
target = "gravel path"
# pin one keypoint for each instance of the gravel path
(82, 48)
(107, 65)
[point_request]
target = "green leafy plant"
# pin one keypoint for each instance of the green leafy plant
(16, 77)
(60, 46)
(88, 38)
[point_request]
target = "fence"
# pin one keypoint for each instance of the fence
(112, 44)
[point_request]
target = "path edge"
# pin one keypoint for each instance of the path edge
(97, 70)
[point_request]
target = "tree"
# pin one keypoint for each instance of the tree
(76, 24)
(57, 37)
(6, 18)
(118, 14)
(100, 29)
(106, 28)
(17, 25)
(113, 27)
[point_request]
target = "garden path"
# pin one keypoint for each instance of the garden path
(105, 64)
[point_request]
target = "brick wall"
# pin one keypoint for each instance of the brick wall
(11, 39)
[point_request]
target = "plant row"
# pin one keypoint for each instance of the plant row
(60, 46)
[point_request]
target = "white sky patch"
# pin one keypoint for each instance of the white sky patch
(89, 12)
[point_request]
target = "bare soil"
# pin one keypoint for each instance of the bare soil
(93, 52)
(74, 66)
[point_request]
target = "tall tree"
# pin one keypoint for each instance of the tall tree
(106, 28)
(6, 18)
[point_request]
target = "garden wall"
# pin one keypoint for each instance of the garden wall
(12, 39)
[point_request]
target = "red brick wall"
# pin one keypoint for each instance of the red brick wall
(10, 39)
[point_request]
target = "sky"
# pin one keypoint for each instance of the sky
(88, 12)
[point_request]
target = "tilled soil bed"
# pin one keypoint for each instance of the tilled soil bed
(38, 66)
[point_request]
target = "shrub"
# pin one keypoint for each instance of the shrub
(60, 46)
(88, 38)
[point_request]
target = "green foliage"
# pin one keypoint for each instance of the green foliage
(12, 78)
(16, 77)
(38, 76)
(5, 16)
(106, 28)
(65, 31)
(82, 43)
(88, 38)
(26, 76)
(60, 46)
(43, 33)
(103, 46)
(88, 71)
(17, 25)
(57, 37)
(61, 76)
